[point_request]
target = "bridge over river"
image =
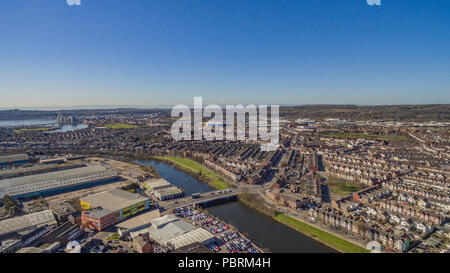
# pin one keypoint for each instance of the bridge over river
(206, 199)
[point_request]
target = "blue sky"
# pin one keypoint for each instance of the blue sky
(148, 52)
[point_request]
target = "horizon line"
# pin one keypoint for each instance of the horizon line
(108, 107)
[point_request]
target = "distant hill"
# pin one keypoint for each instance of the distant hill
(431, 112)
(52, 114)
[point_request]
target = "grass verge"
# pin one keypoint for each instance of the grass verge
(120, 126)
(34, 129)
(197, 170)
(325, 237)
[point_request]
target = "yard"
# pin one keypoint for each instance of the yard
(342, 187)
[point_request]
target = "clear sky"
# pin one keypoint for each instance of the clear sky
(164, 52)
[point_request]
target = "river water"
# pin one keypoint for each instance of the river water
(45, 123)
(261, 229)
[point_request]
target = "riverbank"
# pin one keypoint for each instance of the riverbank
(251, 201)
(196, 170)
(34, 129)
(329, 239)
(324, 237)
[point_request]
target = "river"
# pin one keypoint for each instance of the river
(260, 228)
(45, 123)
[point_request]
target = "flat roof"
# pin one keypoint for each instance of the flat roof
(13, 158)
(114, 199)
(168, 191)
(19, 223)
(197, 235)
(21, 169)
(63, 178)
(98, 212)
(140, 220)
(29, 179)
(168, 227)
(157, 183)
(61, 207)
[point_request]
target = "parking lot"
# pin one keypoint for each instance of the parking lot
(228, 239)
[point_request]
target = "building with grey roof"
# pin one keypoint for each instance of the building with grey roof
(162, 189)
(27, 223)
(13, 159)
(142, 221)
(116, 200)
(170, 231)
(168, 193)
(156, 184)
(57, 182)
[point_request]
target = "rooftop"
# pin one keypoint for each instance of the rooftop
(194, 236)
(13, 158)
(113, 200)
(140, 220)
(98, 212)
(168, 191)
(34, 220)
(45, 181)
(168, 227)
(157, 183)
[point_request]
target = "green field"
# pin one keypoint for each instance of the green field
(365, 136)
(325, 237)
(34, 129)
(342, 187)
(196, 168)
(120, 126)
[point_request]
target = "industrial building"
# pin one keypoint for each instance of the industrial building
(45, 184)
(175, 233)
(98, 218)
(168, 193)
(27, 223)
(13, 159)
(136, 223)
(163, 190)
(157, 184)
(35, 169)
(61, 209)
(122, 203)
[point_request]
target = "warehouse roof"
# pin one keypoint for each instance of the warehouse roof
(13, 158)
(168, 191)
(198, 235)
(168, 227)
(156, 183)
(114, 199)
(57, 179)
(140, 220)
(64, 174)
(34, 220)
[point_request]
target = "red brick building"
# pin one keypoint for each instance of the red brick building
(98, 218)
